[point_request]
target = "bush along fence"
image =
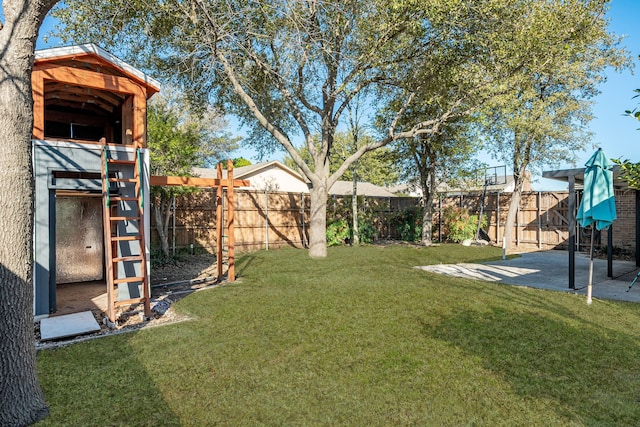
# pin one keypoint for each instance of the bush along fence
(272, 219)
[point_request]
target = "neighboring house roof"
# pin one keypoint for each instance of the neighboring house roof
(89, 49)
(507, 187)
(275, 176)
(405, 189)
(272, 176)
(345, 188)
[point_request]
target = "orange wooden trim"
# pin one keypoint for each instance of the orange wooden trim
(219, 223)
(37, 88)
(91, 58)
(91, 79)
(231, 261)
(196, 182)
(140, 120)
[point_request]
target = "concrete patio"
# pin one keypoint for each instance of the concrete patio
(550, 270)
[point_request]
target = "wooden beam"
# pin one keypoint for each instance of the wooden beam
(37, 88)
(167, 181)
(231, 260)
(219, 223)
(91, 79)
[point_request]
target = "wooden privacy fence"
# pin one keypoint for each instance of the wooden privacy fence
(262, 220)
(542, 219)
(275, 219)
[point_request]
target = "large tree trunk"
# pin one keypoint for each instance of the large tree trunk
(428, 186)
(513, 209)
(318, 222)
(427, 217)
(21, 399)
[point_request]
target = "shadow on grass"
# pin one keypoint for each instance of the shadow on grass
(111, 387)
(592, 375)
(243, 262)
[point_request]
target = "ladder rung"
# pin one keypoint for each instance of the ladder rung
(128, 280)
(122, 161)
(124, 238)
(128, 301)
(123, 199)
(127, 258)
(132, 180)
(124, 218)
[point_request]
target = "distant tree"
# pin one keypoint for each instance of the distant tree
(21, 399)
(544, 119)
(447, 157)
(631, 170)
(180, 139)
(239, 162)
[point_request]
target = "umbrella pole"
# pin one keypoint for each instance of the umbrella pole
(590, 284)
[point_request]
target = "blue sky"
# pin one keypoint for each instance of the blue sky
(615, 133)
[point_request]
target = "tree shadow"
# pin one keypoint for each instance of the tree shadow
(101, 382)
(291, 214)
(590, 372)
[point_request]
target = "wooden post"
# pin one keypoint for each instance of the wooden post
(498, 217)
(440, 219)
(127, 121)
(539, 220)
(518, 221)
(610, 251)
(219, 223)
(304, 227)
(231, 271)
(37, 87)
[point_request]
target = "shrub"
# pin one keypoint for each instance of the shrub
(338, 232)
(409, 225)
(458, 224)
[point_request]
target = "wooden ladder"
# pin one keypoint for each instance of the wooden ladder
(123, 218)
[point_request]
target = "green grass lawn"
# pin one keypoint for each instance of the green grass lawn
(360, 338)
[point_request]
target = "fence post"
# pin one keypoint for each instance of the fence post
(440, 218)
(518, 221)
(266, 219)
(304, 230)
(498, 217)
(173, 226)
(539, 220)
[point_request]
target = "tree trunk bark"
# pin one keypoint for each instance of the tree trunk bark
(318, 222)
(513, 211)
(21, 399)
(428, 184)
(161, 211)
(427, 220)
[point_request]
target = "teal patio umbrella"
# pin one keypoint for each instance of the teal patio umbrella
(597, 208)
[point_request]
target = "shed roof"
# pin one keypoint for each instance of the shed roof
(578, 175)
(81, 53)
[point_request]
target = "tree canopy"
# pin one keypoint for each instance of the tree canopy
(289, 69)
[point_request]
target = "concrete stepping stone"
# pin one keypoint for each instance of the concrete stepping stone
(69, 325)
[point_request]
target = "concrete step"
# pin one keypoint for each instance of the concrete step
(69, 325)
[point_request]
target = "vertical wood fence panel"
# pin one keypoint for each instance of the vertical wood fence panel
(280, 219)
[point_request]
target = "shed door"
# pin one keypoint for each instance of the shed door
(79, 239)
